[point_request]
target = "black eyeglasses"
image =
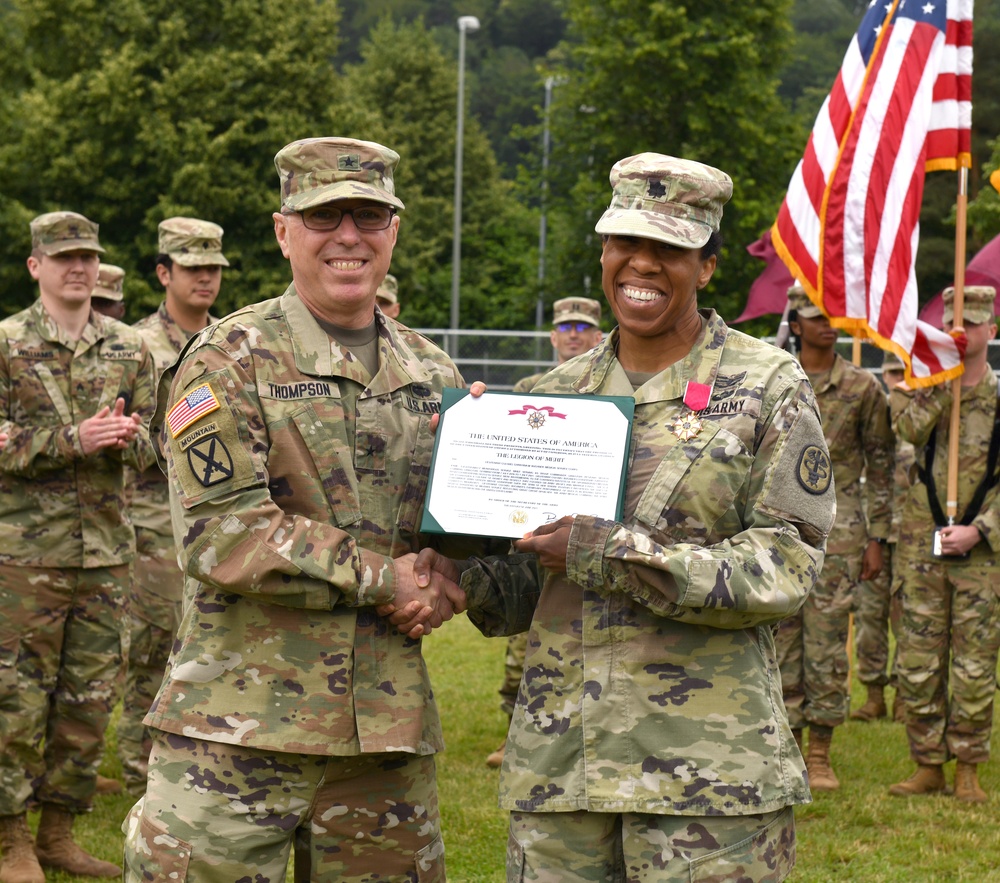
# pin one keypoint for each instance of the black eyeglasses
(369, 218)
(579, 327)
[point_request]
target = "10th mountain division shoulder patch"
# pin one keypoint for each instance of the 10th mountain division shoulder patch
(210, 461)
(815, 471)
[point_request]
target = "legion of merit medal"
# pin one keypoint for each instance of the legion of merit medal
(696, 396)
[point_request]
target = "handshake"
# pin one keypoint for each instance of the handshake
(427, 593)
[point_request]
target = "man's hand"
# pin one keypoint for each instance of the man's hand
(427, 593)
(872, 560)
(476, 390)
(957, 539)
(109, 429)
(549, 542)
(3, 440)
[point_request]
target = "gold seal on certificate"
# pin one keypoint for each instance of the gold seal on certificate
(506, 463)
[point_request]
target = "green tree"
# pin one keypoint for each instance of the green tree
(697, 81)
(405, 73)
(162, 109)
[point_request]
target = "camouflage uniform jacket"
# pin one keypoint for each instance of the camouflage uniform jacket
(58, 506)
(852, 406)
(290, 498)
(651, 683)
(915, 414)
(150, 494)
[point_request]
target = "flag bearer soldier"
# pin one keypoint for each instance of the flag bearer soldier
(812, 645)
(75, 388)
(950, 625)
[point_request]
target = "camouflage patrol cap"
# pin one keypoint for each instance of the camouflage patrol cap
(799, 301)
(891, 362)
(977, 304)
(315, 171)
(677, 201)
(576, 309)
(388, 290)
(191, 242)
(110, 283)
(56, 232)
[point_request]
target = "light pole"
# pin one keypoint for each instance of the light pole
(550, 82)
(466, 23)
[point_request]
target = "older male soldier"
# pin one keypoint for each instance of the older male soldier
(297, 436)
(576, 328)
(812, 645)
(949, 632)
(75, 388)
(189, 266)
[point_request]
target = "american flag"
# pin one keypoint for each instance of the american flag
(849, 226)
(197, 403)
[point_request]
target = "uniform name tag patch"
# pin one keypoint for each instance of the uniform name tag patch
(210, 461)
(195, 405)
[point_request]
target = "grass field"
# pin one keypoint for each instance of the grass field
(857, 834)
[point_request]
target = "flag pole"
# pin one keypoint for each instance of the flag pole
(951, 508)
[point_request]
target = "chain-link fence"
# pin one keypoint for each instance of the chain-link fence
(501, 358)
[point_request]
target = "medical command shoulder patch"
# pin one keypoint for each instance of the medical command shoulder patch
(815, 470)
(195, 405)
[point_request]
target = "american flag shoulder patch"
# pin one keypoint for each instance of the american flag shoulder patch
(195, 405)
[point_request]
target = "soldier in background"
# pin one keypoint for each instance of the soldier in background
(949, 631)
(877, 605)
(297, 437)
(576, 328)
(108, 297)
(189, 266)
(649, 741)
(75, 390)
(812, 645)
(387, 297)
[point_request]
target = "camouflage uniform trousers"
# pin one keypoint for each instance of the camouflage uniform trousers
(573, 847)
(812, 647)
(513, 668)
(153, 621)
(877, 609)
(215, 813)
(948, 641)
(61, 632)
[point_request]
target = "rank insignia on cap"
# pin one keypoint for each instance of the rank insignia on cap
(349, 162)
(815, 470)
(195, 405)
(210, 461)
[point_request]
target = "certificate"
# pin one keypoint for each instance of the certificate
(506, 463)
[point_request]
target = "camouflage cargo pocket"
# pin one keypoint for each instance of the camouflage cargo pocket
(151, 854)
(10, 644)
(430, 862)
(766, 857)
(515, 859)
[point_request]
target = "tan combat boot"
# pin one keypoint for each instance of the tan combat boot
(898, 709)
(18, 864)
(496, 758)
(928, 779)
(967, 784)
(874, 706)
(821, 775)
(55, 848)
(108, 786)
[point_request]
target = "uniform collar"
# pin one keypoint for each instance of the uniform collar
(316, 354)
(49, 330)
(700, 366)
